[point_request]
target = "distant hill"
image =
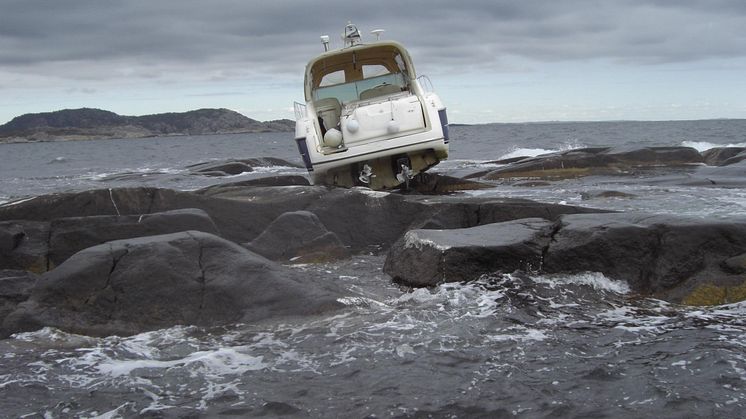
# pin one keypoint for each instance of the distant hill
(87, 124)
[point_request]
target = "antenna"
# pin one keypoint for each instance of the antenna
(351, 35)
(325, 41)
(377, 33)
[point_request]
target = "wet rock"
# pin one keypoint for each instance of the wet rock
(723, 156)
(224, 188)
(191, 278)
(429, 257)
(236, 167)
(14, 289)
(299, 237)
(585, 196)
(223, 169)
(710, 295)
(531, 184)
(594, 161)
(71, 235)
(361, 218)
(433, 183)
(731, 175)
(240, 215)
(656, 254)
(660, 255)
(24, 245)
(11, 236)
(735, 264)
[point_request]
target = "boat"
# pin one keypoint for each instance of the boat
(368, 120)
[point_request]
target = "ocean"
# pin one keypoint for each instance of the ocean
(505, 345)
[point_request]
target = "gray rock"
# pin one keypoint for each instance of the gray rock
(430, 257)
(223, 169)
(735, 264)
(300, 237)
(24, 245)
(193, 278)
(361, 218)
(585, 196)
(71, 235)
(14, 289)
(656, 254)
(224, 188)
(11, 236)
(236, 167)
(660, 255)
(594, 161)
(723, 156)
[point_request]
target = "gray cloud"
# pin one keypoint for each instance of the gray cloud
(91, 39)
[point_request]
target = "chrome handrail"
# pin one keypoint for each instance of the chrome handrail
(300, 110)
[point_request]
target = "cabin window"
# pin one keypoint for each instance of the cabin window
(400, 63)
(337, 77)
(374, 70)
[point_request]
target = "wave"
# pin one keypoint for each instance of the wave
(595, 280)
(704, 145)
(517, 151)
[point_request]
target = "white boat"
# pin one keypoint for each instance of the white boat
(368, 120)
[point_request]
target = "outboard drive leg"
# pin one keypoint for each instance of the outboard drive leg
(405, 171)
(366, 174)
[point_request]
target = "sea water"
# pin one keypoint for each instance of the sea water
(504, 345)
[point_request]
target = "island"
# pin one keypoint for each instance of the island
(90, 124)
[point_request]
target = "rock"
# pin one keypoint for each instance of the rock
(361, 218)
(429, 257)
(731, 175)
(735, 159)
(594, 161)
(588, 195)
(224, 188)
(710, 295)
(71, 235)
(299, 237)
(664, 256)
(24, 245)
(723, 156)
(240, 215)
(236, 167)
(11, 236)
(660, 255)
(192, 278)
(433, 183)
(14, 289)
(735, 264)
(223, 169)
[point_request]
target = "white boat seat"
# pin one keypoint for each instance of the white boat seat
(328, 109)
(380, 90)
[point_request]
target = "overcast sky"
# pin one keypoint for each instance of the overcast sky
(490, 60)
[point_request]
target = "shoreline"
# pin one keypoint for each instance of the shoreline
(21, 140)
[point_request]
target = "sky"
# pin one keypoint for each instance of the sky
(489, 60)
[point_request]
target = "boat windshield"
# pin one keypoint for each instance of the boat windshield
(363, 89)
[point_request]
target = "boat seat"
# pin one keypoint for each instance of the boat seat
(328, 110)
(380, 90)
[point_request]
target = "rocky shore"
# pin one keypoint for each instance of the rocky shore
(128, 260)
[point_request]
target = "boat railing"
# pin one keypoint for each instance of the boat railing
(300, 110)
(425, 83)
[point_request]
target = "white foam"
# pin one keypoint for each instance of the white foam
(704, 145)
(370, 192)
(221, 361)
(596, 280)
(533, 152)
(412, 240)
(526, 152)
(16, 202)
